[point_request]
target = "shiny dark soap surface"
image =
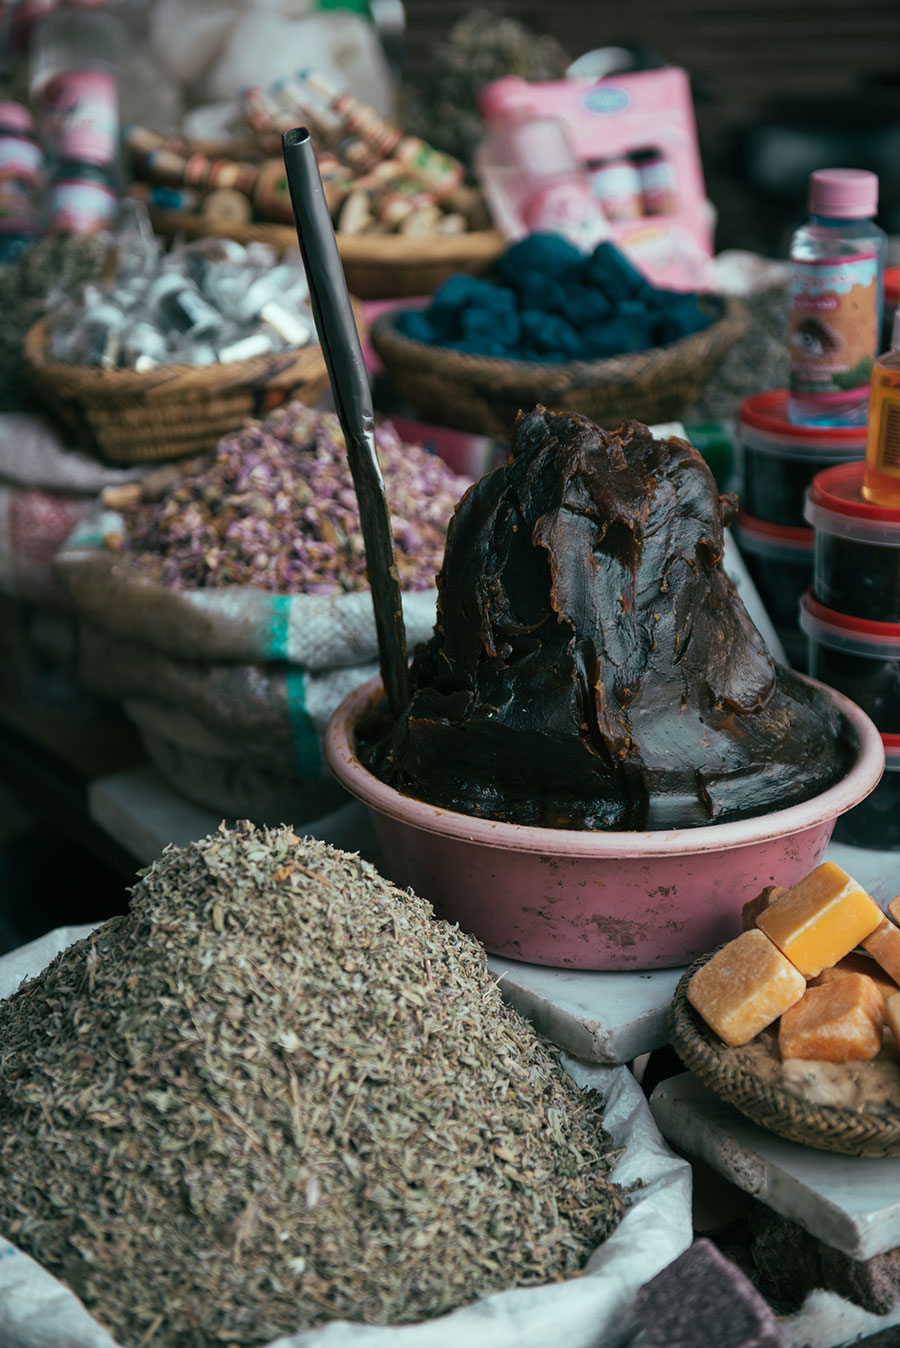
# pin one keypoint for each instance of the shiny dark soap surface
(592, 666)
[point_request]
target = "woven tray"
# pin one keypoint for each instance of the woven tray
(483, 394)
(376, 266)
(827, 1127)
(128, 417)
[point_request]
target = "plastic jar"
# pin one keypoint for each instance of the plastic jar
(780, 562)
(857, 657)
(856, 552)
(778, 459)
(875, 822)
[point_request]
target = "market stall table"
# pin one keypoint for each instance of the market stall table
(850, 1203)
(598, 1017)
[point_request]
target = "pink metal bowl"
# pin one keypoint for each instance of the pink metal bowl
(581, 900)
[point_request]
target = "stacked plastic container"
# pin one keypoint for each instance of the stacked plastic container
(777, 462)
(851, 621)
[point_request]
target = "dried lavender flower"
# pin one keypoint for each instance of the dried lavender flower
(276, 509)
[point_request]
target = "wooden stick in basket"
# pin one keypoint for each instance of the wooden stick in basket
(339, 339)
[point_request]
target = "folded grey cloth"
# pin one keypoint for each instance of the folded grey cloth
(34, 453)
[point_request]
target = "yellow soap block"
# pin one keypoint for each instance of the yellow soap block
(892, 1015)
(884, 946)
(820, 919)
(839, 1021)
(744, 987)
(858, 964)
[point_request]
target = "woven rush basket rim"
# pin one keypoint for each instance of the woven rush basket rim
(825, 1127)
(275, 369)
(609, 373)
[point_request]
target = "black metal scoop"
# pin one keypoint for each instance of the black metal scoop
(339, 339)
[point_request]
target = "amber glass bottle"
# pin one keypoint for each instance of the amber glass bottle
(881, 478)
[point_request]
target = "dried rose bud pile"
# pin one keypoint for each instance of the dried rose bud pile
(276, 509)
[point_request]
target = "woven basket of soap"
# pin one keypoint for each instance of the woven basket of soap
(803, 1044)
(133, 417)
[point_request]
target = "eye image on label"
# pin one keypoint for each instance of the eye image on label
(813, 338)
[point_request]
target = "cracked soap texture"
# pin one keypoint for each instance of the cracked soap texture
(746, 986)
(592, 666)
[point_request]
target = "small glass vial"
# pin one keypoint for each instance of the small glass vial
(837, 267)
(881, 475)
(659, 186)
(616, 183)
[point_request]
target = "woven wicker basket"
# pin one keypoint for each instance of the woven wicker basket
(376, 266)
(827, 1127)
(483, 394)
(127, 417)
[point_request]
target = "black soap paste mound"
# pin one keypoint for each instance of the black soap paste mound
(592, 666)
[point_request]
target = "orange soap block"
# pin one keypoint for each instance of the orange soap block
(894, 908)
(884, 946)
(820, 919)
(858, 964)
(839, 1021)
(744, 987)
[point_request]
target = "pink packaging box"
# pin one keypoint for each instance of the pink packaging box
(636, 136)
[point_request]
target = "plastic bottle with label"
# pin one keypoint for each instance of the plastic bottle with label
(73, 81)
(837, 268)
(21, 172)
(528, 172)
(81, 195)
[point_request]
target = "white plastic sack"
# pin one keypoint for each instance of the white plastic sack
(592, 1311)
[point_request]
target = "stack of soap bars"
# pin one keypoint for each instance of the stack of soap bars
(794, 961)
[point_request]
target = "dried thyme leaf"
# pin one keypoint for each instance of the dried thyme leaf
(279, 1092)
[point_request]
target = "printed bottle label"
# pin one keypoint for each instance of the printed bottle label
(833, 327)
(75, 207)
(887, 446)
(81, 108)
(20, 158)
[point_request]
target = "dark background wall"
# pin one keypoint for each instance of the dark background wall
(774, 82)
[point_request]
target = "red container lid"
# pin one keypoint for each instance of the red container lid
(768, 412)
(839, 490)
(786, 535)
(892, 287)
(845, 622)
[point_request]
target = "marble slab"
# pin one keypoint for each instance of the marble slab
(143, 813)
(598, 1017)
(851, 1203)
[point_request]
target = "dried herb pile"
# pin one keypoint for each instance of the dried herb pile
(280, 1092)
(276, 508)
